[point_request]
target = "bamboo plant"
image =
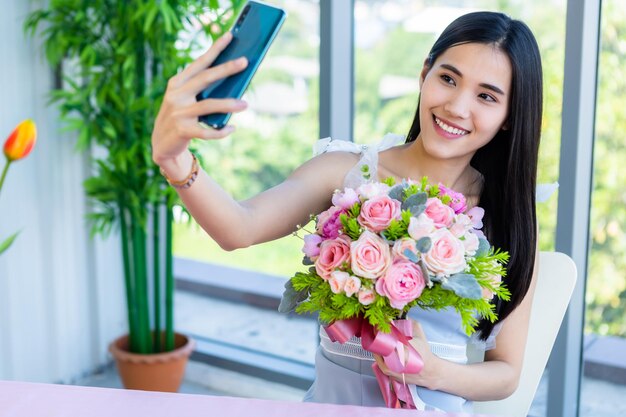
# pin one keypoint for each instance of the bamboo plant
(114, 58)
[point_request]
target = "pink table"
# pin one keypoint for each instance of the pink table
(25, 399)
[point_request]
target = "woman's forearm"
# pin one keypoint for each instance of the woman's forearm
(485, 381)
(221, 216)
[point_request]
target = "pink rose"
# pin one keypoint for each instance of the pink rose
(406, 243)
(311, 246)
(337, 281)
(458, 203)
(366, 296)
(403, 282)
(328, 223)
(372, 189)
(333, 253)
(421, 226)
(370, 255)
(447, 254)
(345, 199)
(441, 214)
(378, 212)
(352, 285)
(470, 243)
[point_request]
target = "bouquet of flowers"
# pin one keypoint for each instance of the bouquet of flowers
(384, 248)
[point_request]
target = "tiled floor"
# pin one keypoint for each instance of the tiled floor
(269, 332)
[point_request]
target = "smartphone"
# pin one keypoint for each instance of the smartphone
(253, 32)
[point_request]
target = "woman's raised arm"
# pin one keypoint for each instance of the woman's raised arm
(232, 224)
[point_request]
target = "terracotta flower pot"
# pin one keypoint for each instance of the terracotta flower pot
(152, 372)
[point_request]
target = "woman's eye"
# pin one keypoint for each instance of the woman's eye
(447, 79)
(487, 97)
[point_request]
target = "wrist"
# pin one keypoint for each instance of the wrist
(178, 179)
(176, 168)
(434, 379)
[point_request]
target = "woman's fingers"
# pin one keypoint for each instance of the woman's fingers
(210, 106)
(203, 79)
(200, 132)
(206, 59)
(418, 332)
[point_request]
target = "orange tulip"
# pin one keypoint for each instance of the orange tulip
(21, 141)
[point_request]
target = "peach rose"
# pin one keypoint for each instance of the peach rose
(441, 214)
(352, 285)
(403, 282)
(337, 281)
(333, 253)
(447, 254)
(421, 226)
(370, 255)
(401, 245)
(378, 212)
(366, 296)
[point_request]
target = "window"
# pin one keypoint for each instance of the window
(605, 323)
(273, 137)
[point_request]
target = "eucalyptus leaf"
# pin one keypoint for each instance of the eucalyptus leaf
(307, 261)
(396, 192)
(463, 285)
(418, 199)
(291, 298)
(424, 244)
(483, 248)
(417, 210)
(410, 255)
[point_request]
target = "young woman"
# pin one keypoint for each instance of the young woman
(476, 130)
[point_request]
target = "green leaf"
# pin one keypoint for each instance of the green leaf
(396, 192)
(483, 248)
(418, 199)
(8, 242)
(463, 285)
(410, 255)
(416, 210)
(424, 244)
(291, 298)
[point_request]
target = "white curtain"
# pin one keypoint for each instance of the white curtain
(61, 293)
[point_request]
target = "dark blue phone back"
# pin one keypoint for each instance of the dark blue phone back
(253, 33)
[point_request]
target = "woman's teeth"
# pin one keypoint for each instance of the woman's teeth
(450, 129)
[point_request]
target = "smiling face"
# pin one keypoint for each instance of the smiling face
(464, 100)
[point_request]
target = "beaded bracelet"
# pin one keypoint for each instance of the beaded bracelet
(186, 182)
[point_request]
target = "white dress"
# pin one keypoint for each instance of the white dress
(343, 373)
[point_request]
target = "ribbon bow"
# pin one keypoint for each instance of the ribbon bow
(398, 354)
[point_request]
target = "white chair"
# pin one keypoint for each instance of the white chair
(555, 284)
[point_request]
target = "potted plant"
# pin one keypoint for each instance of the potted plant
(115, 57)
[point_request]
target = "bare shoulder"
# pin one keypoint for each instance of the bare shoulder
(328, 169)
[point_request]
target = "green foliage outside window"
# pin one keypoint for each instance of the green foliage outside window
(239, 161)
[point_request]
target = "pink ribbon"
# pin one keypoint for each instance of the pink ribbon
(398, 354)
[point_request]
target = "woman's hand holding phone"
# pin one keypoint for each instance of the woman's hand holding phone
(177, 121)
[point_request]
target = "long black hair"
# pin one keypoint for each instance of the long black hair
(508, 163)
